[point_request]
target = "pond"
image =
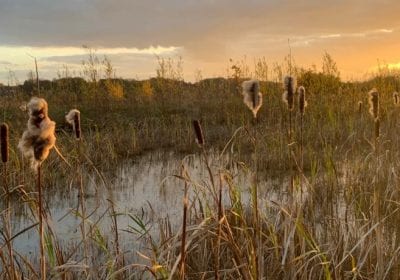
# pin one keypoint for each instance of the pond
(148, 189)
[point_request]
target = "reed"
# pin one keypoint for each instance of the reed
(289, 85)
(219, 230)
(4, 135)
(377, 194)
(198, 132)
(182, 270)
(4, 143)
(41, 225)
(253, 100)
(200, 141)
(302, 108)
(374, 112)
(35, 144)
(74, 119)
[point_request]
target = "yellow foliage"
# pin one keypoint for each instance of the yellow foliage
(115, 89)
(147, 89)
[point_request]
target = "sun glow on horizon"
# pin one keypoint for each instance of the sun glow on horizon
(394, 66)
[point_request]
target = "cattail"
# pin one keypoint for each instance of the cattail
(74, 118)
(39, 137)
(252, 96)
(374, 103)
(199, 133)
(288, 95)
(4, 142)
(359, 107)
(302, 99)
(35, 144)
(396, 98)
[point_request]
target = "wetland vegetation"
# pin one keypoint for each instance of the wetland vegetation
(312, 195)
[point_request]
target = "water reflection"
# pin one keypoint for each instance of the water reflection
(145, 188)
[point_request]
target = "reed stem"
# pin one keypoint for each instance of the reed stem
(220, 215)
(82, 203)
(41, 227)
(256, 218)
(8, 223)
(183, 249)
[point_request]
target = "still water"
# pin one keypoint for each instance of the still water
(146, 188)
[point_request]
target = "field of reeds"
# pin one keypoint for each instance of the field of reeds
(320, 200)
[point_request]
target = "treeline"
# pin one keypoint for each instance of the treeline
(315, 82)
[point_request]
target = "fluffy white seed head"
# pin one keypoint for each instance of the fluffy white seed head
(39, 137)
(37, 104)
(252, 96)
(70, 117)
(74, 118)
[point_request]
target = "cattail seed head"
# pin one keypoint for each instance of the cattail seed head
(199, 133)
(302, 99)
(4, 142)
(77, 122)
(359, 106)
(252, 96)
(396, 98)
(39, 137)
(374, 103)
(289, 85)
(74, 118)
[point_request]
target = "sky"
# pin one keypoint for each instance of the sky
(205, 34)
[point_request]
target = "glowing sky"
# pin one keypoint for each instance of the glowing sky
(357, 33)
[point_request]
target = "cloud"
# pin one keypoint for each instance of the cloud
(126, 23)
(3, 62)
(206, 33)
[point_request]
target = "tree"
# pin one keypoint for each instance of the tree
(329, 66)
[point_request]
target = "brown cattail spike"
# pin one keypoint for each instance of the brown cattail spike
(374, 103)
(288, 95)
(360, 107)
(199, 133)
(302, 99)
(4, 143)
(254, 90)
(77, 126)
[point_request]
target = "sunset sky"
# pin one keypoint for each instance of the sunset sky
(357, 33)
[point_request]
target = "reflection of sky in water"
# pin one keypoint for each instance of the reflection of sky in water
(145, 188)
